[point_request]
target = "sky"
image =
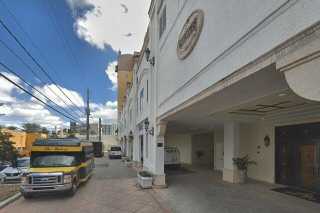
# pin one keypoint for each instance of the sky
(73, 44)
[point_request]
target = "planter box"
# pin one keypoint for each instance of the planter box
(144, 181)
(129, 163)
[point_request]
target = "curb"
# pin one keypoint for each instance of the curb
(10, 200)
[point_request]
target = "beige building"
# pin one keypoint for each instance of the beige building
(23, 140)
(124, 71)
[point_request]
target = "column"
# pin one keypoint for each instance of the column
(159, 175)
(231, 150)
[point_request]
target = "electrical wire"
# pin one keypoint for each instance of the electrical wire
(36, 62)
(29, 93)
(36, 75)
(35, 89)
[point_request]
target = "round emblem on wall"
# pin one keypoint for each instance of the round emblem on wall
(190, 34)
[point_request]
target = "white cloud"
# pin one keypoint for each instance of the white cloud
(109, 23)
(52, 92)
(7, 88)
(28, 111)
(112, 75)
(107, 111)
(18, 111)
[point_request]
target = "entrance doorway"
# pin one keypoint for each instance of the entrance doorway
(202, 150)
(298, 156)
(141, 148)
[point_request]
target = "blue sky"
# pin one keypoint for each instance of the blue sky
(77, 42)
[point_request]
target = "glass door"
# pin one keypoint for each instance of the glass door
(309, 166)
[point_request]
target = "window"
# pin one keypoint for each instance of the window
(55, 160)
(141, 99)
(147, 91)
(147, 146)
(137, 105)
(163, 22)
(130, 116)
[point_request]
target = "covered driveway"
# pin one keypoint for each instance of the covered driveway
(241, 117)
(204, 191)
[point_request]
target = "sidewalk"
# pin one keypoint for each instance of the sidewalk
(7, 190)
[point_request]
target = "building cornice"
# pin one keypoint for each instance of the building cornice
(272, 57)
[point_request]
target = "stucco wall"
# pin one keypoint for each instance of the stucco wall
(234, 34)
(183, 143)
(202, 143)
(252, 137)
(252, 144)
(218, 149)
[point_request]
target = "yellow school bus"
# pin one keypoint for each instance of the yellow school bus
(58, 165)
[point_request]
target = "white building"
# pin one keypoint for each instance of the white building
(226, 79)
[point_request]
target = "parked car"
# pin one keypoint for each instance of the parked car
(4, 165)
(171, 156)
(23, 164)
(115, 152)
(13, 174)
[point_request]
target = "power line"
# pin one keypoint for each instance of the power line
(23, 80)
(29, 93)
(30, 39)
(35, 74)
(36, 62)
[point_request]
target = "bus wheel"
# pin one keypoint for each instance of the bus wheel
(74, 188)
(27, 196)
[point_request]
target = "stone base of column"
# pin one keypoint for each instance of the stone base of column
(137, 165)
(159, 181)
(231, 175)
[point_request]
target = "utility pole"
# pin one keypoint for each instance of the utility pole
(100, 128)
(88, 115)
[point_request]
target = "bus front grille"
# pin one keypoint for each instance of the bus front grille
(46, 179)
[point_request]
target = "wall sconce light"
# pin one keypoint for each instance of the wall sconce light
(266, 141)
(152, 61)
(146, 125)
(151, 131)
(147, 54)
(130, 135)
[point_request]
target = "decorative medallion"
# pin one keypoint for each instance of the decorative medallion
(190, 34)
(266, 141)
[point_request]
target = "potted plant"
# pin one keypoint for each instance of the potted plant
(128, 163)
(242, 165)
(145, 179)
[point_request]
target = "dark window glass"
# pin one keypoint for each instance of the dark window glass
(55, 159)
(115, 149)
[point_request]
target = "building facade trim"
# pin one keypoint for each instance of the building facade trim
(273, 56)
(257, 28)
(190, 34)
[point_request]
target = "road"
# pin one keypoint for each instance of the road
(112, 188)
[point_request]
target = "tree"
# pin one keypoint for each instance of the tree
(31, 127)
(44, 130)
(7, 151)
(12, 128)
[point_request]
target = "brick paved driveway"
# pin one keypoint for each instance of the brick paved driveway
(111, 189)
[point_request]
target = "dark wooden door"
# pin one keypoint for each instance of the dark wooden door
(284, 165)
(307, 165)
(298, 156)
